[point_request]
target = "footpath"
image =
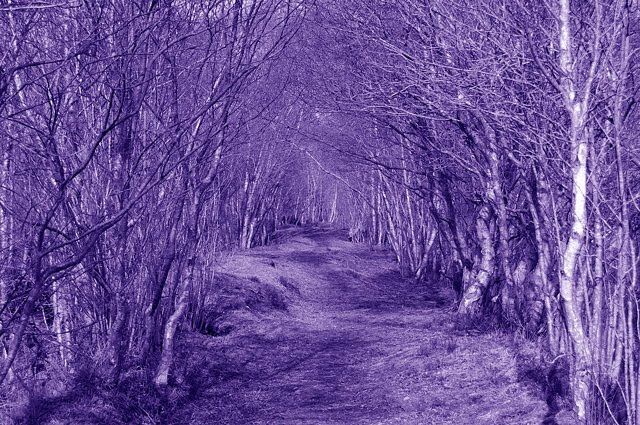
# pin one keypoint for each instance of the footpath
(347, 341)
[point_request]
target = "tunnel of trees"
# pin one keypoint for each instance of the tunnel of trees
(491, 144)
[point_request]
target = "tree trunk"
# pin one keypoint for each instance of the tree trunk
(116, 338)
(61, 326)
(577, 104)
(25, 317)
(569, 278)
(474, 293)
(538, 197)
(159, 281)
(166, 359)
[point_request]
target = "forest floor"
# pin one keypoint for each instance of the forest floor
(317, 330)
(357, 344)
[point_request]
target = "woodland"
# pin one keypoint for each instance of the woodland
(490, 145)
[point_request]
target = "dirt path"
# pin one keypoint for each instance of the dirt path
(359, 345)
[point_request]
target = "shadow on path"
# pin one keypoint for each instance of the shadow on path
(364, 346)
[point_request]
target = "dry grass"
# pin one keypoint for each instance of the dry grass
(359, 345)
(316, 330)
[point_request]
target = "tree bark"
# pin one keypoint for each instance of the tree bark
(474, 293)
(568, 276)
(538, 198)
(161, 378)
(25, 317)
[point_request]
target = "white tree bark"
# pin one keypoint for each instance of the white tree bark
(475, 291)
(577, 109)
(166, 360)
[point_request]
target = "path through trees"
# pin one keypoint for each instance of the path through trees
(357, 344)
(362, 346)
(491, 144)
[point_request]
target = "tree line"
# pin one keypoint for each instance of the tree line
(497, 151)
(491, 144)
(138, 140)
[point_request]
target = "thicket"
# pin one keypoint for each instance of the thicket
(497, 151)
(491, 144)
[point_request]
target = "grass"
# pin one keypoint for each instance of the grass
(316, 330)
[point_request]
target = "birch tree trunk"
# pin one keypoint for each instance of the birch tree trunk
(537, 199)
(161, 378)
(577, 106)
(474, 293)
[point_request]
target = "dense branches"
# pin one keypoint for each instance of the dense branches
(490, 144)
(120, 124)
(517, 119)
